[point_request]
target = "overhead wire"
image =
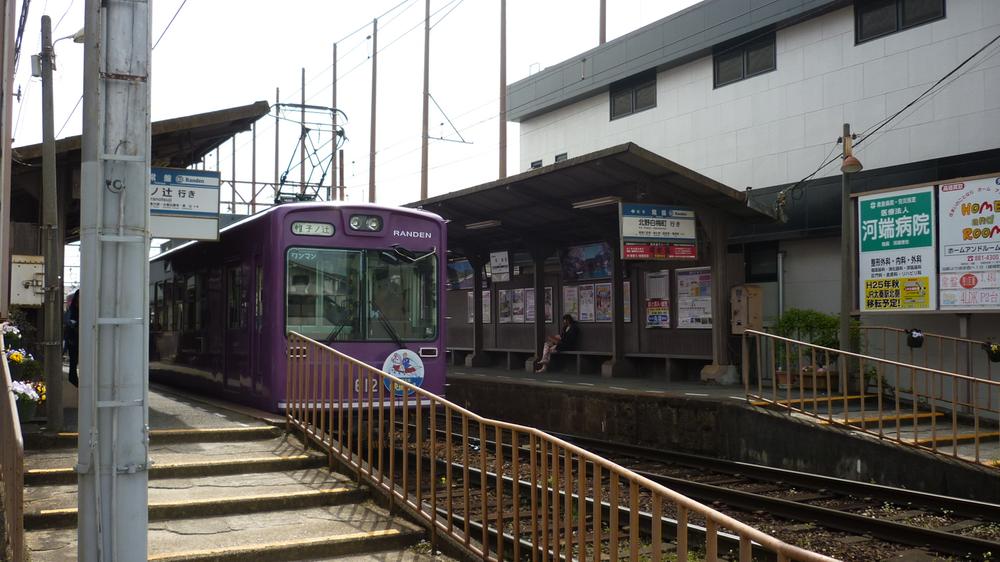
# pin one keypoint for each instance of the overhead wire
(169, 23)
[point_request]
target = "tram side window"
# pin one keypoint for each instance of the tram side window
(156, 320)
(235, 299)
(192, 293)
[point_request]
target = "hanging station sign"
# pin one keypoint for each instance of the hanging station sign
(657, 232)
(897, 251)
(969, 247)
(184, 204)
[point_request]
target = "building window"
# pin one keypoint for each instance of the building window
(745, 60)
(633, 95)
(761, 262)
(560, 157)
(536, 164)
(878, 18)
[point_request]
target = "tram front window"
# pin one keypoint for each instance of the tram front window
(361, 295)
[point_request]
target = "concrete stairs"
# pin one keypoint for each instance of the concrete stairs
(231, 493)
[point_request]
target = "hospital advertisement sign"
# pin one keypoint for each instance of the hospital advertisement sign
(897, 257)
(969, 250)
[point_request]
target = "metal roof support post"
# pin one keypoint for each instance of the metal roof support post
(618, 366)
(718, 233)
(113, 454)
(538, 256)
(477, 358)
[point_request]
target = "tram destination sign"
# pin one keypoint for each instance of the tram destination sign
(657, 232)
(184, 204)
(897, 253)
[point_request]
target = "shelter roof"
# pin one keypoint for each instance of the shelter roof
(538, 205)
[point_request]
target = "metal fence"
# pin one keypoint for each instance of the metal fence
(11, 465)
(503, 491)
(918, 405)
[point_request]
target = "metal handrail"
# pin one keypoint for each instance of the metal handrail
(907, 397)
(11, 465)
(365, 422)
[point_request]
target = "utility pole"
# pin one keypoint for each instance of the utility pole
(848, 166)
(503, 89)
(604, 22)
(113, 443)
(52, 307)
(423, 135)
(6, 128)
(371, 152)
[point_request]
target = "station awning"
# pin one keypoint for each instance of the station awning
(576, 200)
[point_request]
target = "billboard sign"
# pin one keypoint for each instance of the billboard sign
(897, 258)
(969, 250)
(184, 204)
(657, 232)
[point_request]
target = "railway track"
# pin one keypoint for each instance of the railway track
(851, 520)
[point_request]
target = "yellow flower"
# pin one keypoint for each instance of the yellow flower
(16, 357)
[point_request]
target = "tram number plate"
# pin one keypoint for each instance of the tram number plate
(374, 385)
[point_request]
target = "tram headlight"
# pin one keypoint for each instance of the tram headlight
(369, 223)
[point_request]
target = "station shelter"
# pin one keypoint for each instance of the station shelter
(527, 249)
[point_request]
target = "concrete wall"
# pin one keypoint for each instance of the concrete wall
(777, 127)
(724, 430)
(812, 274)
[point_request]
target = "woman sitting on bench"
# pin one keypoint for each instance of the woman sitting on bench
(564, 341)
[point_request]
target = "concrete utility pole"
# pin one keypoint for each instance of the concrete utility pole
(604, 22)
(52, 307)
(427, 79)
(503, 89)
(6, 128)
(113, 456)
(848, 166)
(371, 152)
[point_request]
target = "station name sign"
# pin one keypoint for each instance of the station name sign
(184, 204)
(657, 232)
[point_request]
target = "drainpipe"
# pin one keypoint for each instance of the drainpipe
(781, 282)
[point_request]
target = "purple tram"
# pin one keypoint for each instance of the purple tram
(363, 279)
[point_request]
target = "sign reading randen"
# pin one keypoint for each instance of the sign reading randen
(897, 257)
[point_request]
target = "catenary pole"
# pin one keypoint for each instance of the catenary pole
(602, 34)
(335, 143)
(426, 115)
(371, 151)
(503, 89)
(52, 307)
(113, 451)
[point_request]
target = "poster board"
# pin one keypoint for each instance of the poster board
(658, 299)
(603, 303)
(694, 298)
(517, 306)
(529, 305)
(570, 305)
(627, 300)
(470, 305)
(969, 245)
(586, 296)
(487, 318)
(896, 241)
(548, 305)
(503, 304)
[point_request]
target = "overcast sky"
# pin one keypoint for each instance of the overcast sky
(224, 53)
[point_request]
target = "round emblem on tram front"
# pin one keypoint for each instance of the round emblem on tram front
(406, 365)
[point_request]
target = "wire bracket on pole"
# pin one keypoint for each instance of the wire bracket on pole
(118, 403)
(118, 321)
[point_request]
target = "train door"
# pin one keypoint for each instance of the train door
(237, 346)
(257, 335)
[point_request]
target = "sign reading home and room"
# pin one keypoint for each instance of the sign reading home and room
(969, 247)
(897, 257)
(657, 232)
(184, 204)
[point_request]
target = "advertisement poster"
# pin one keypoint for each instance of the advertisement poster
(657, 313)
(529, 305)
(627, 297)
(548, 305)
(487, 317)
(503, 304)
(969, 249)
(460, 275)
(603, 302)
(590, 261)
(517, 306)
(500, 266)
(694, 298)
(586, 294)
(896, 265)
(569, 302)
(657, 232)
(470, 304)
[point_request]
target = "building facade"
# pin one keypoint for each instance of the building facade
(754, 94)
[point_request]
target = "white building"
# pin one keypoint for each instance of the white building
(754, 93)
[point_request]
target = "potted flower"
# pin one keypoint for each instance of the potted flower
(22, 365)
(27, 399)
(992, 351)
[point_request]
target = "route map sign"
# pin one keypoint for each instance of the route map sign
(969, 249)
(897, 251)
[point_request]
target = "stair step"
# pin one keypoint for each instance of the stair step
(41, 441)
(316, 532)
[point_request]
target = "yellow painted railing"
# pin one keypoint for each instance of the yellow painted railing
(929, 408)
(548, 498)
(11, 465)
